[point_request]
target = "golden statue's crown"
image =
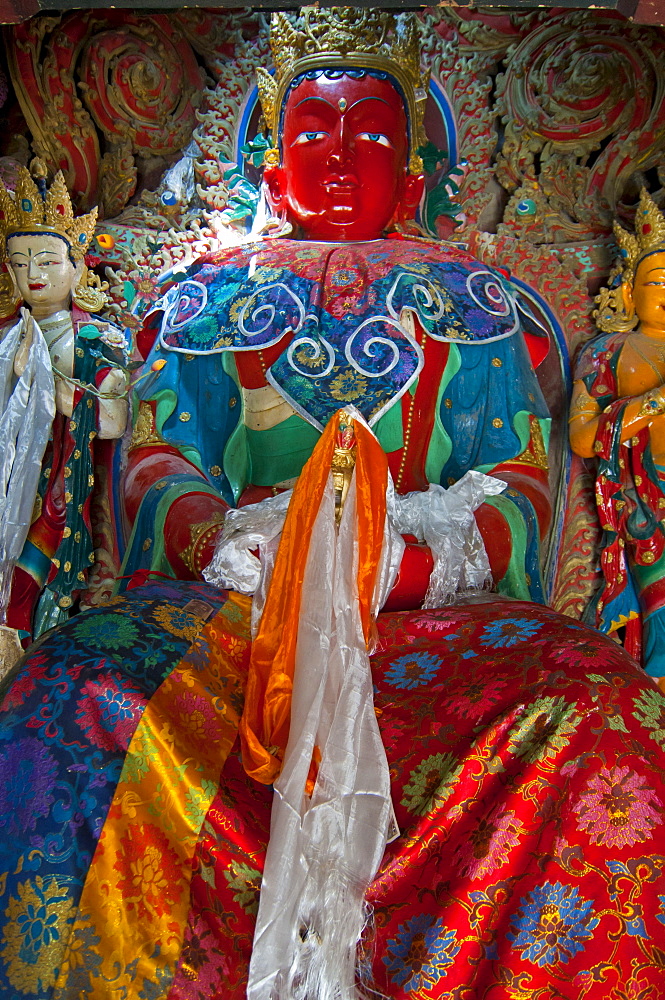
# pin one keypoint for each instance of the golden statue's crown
(32, 210)
(359, 38)
(611, 315)
(649, 235)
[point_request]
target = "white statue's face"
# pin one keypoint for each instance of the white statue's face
(43, 271)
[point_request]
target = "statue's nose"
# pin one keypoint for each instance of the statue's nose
(343, 148)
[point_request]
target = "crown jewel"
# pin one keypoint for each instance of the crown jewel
(360, 38)
(34, 209)
(649, 235)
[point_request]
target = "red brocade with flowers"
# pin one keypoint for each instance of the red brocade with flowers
(526, 756)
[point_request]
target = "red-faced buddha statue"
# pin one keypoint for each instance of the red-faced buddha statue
(265, 342)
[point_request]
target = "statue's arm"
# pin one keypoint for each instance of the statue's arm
(497, 422)
(112, 413)
(167, 496)
(499, 528)
(587, 416)
(504, 527)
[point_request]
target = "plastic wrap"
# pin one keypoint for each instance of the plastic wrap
(443, 519)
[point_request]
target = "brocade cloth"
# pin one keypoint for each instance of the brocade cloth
(527, 772)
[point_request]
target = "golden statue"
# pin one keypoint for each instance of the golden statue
(618, 417)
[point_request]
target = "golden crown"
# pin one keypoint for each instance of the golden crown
(649, 235)
(31, 211)
(359, 38)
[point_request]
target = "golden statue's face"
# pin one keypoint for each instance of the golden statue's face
(43, 271)
(647, 296)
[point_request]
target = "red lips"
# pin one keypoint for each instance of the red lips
(344, 182)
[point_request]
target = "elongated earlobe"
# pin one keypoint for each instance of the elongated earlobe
(275, 181)
(12, 279)
(408, 203)
(627, 296)
(413, 192)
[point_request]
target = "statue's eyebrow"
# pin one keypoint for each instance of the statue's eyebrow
(315, 97)
(370, 97)
(19, 253)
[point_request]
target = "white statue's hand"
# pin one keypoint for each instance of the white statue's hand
(112, 416)
(114, 383)
(21, 356)
(110, 335)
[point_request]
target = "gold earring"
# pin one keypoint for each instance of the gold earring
(89, 294)
(271, 157)
(611, 316)
(10, 299)
(416, 166)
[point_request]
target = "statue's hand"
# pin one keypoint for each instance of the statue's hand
(112, 416)
(412, 580)
(10, 649)
(114, 384)
(21, 356)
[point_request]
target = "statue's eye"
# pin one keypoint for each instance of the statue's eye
(308, 137)
(377, 137)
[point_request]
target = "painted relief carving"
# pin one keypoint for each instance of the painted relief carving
(582, 104)
(103, 91)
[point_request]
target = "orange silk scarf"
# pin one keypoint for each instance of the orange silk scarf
(264, 727)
